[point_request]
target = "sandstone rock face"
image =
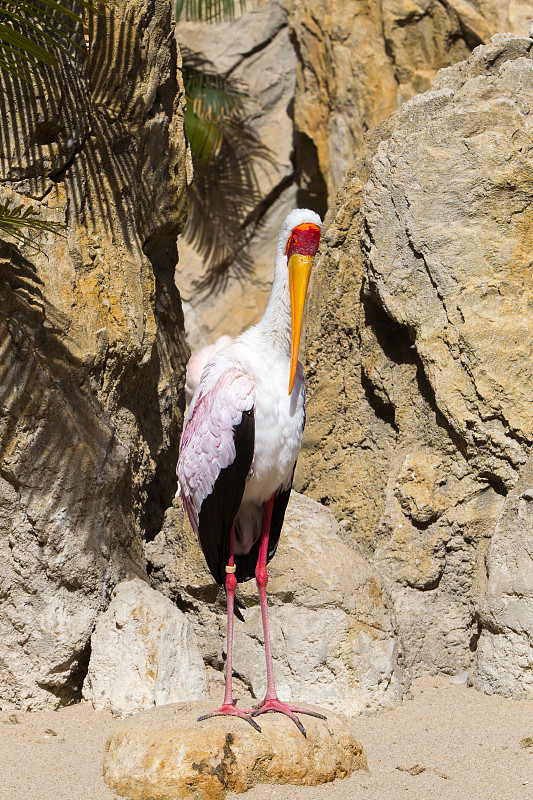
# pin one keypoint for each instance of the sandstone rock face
(419, 360)
(504, 662)
(143, 653)
(332, 630)
(321, 73)
(167, 754)
(358, 61)
(256, 51)
(91, 337)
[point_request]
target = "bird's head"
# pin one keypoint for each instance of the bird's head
(300, 237)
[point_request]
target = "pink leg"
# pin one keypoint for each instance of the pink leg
(228, 706)
(271, 701)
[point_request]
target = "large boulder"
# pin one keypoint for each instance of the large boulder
(143, 653)
(419, 358)
(91, 334)
(169, 755)
(333, 634)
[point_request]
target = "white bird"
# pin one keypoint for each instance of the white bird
(240, 443)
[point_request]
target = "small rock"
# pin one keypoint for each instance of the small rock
(416, 769)
(166, 753)
(459, 679)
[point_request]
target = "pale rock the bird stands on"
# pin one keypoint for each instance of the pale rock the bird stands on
(241, 440)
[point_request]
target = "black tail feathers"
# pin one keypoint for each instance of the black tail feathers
(238, 608)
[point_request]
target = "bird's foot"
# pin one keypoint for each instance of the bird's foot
(230, 709)
(273, 704)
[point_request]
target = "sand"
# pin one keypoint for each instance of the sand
(447, 742)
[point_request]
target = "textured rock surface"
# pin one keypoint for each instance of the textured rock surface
(91, 339)
(358, 61)
(256, 51)
(143, 653)
(333, 634)
(321, 73)
(419, 350)
(504, 662)
(166, 754)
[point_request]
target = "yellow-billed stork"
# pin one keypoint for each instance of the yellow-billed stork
(240, 443)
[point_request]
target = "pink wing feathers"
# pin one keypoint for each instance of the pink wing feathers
(207, 445)
(197, 362)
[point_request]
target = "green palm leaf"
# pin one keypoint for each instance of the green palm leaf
(16, 221)
(211, 101)
(34, 32)
(224, 199)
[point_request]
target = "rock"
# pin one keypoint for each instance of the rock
(461, 317)
(418, 350)
(143, 653)
(91, 333)
(333, 634)
(256, 50)
(358, 62)
(504, 658)
(167, 754)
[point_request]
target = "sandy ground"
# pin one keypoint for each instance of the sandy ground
(447, 742)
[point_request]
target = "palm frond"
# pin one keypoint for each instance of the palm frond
(211, 99)
(34, 32)
(15, 221)
(224, 196)
(208, 10)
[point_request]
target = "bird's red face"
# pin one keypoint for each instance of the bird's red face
(304, 240)
(301, 247)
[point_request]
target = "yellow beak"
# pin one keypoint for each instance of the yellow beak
(299, 273)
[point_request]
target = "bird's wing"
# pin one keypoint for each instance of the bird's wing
(216, 455)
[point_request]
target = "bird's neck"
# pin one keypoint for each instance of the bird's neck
(275, 324)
